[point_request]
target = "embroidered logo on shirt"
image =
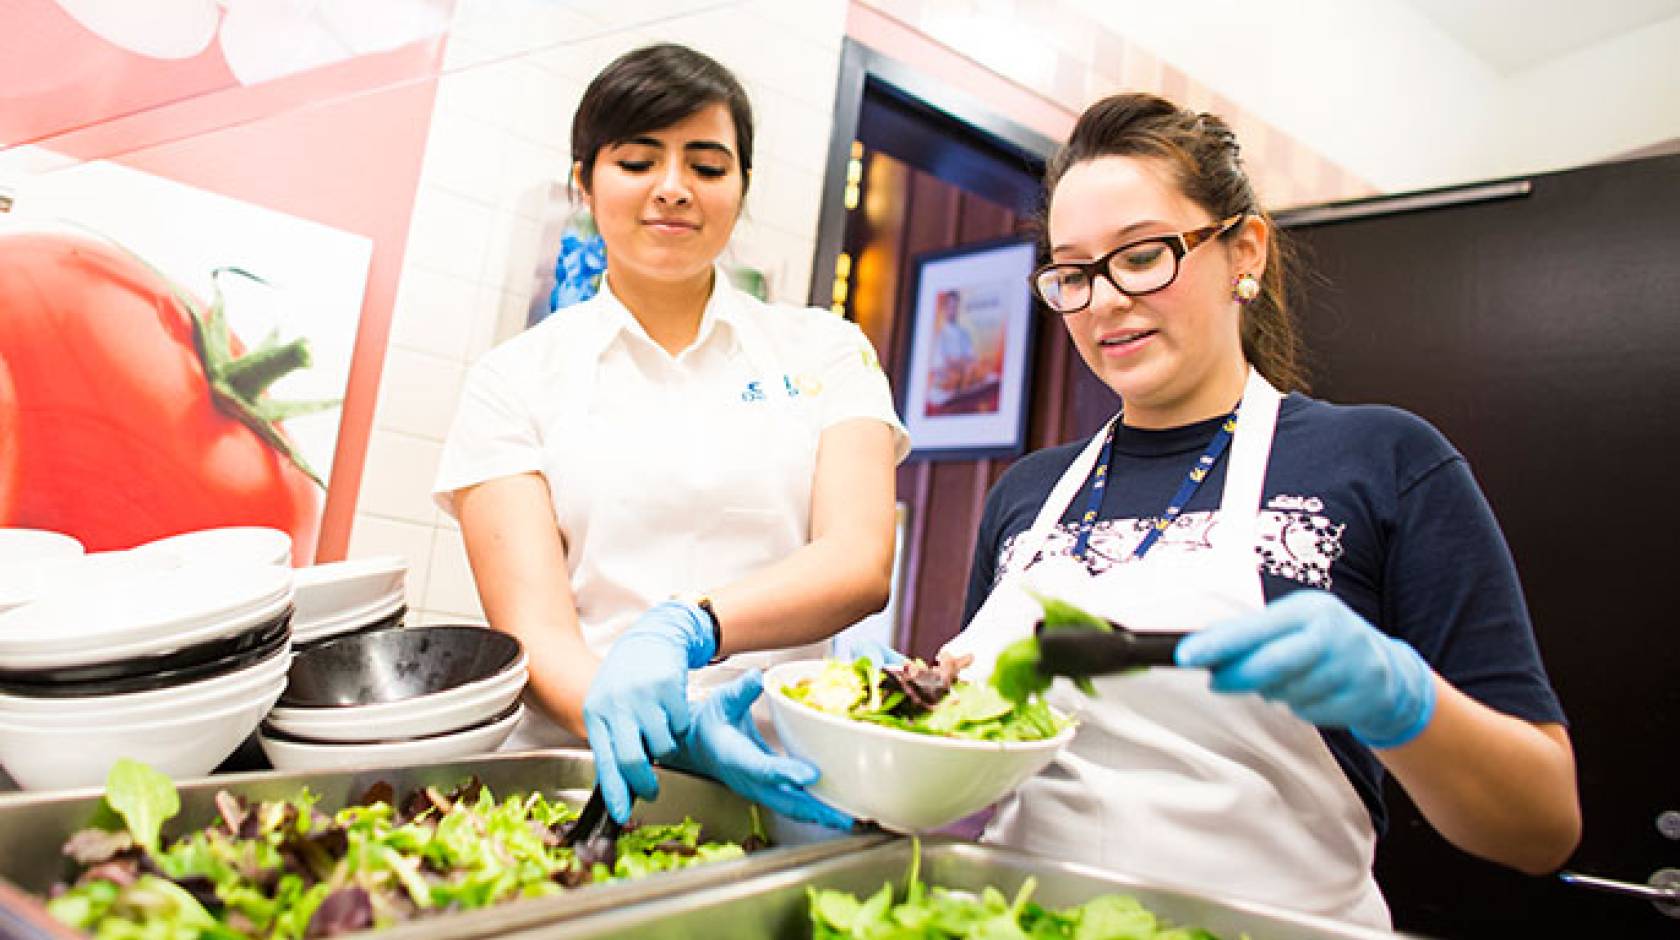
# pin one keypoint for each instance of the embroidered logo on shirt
(795, 386)
(798, 385)
(1298, 544)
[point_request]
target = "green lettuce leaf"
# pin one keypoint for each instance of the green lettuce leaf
(143, 797)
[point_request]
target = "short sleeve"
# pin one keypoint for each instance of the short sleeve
(854, 385)
(494, 435)
(1453, 592)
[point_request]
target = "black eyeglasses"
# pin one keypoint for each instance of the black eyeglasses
(1135, 268)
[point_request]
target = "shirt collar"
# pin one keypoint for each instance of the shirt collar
(616, 323)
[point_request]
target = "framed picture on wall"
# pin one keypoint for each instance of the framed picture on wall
(965, 388)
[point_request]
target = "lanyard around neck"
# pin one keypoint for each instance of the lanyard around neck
(1192, 483)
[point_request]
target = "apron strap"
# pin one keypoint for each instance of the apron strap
(1061, 497)
(1245, 475)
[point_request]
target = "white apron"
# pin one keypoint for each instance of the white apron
(713, 490)
(1165, 779)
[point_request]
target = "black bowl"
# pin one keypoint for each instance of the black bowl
(205, 660)
(395, 665)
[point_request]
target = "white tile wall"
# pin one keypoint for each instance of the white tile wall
(447, 233)
(437, 313)
(397, 475)
(496, 158)
(375, 535)
(450, 590)
(414, 389)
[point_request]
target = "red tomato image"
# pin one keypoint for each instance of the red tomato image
(8, 443)
(128, 412)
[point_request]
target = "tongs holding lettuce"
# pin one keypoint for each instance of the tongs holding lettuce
(1071, 642)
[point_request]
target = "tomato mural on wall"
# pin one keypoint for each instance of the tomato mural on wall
(128, 411)
(276, 137)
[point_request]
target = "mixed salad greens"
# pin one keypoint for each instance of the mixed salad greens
(914, 696)
(936, 913)
(284, 869)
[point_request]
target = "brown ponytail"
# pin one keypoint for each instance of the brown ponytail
(1207, 165)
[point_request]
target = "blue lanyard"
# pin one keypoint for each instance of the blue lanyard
(1192, 483)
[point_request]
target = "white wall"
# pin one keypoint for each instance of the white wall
(1609, 98)
(1378, 88)
(491, 200)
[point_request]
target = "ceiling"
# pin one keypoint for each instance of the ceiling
(1512, 35)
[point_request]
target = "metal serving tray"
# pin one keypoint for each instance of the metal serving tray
(774, 904)
(33, 827)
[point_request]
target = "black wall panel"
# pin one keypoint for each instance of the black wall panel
(1542, 335)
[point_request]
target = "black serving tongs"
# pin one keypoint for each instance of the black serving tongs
(1080, 653)
(594, 836)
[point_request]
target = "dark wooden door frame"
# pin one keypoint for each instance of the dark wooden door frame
(862, 67)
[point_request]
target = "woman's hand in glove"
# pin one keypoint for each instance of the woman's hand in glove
(637, 706)
(1309, 651)
(725, 745)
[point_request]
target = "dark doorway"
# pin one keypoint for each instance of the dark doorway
(914, 168)
(1541, 333)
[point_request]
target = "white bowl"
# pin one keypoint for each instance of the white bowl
(384, 714)
(172, 702)
(24, 582)
(142, 616)
(165, 641)
(905, 781)
(329, 592)
(298, 755)
(427, 715)
(249, 544)
(39, 758)
(348, 621)
(30, 545)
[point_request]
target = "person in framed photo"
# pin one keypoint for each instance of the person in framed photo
(955, 366)
(673, 472)
(1354, 609)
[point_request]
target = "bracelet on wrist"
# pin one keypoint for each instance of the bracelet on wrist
(704, 603)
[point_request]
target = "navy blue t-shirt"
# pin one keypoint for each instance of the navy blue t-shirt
(1368, 502)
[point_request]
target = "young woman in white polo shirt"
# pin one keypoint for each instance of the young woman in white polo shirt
(673, 471)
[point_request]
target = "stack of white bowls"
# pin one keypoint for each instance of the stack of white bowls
(345, 597)
(397, 696)
(145, 656)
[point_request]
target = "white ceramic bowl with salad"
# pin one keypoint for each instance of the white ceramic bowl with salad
(909, 780)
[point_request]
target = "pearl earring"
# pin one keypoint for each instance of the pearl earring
(1246, 288)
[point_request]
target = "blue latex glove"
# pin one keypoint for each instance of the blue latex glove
(725, 745)
(1310, 652)
(637, 706)
(864, 648)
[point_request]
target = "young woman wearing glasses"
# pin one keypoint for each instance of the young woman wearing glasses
(1357, 607)
(672, 472)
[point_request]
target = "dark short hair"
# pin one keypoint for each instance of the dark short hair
(652, 88)
(1206, 164)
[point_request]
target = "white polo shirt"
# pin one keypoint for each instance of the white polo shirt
(668, 474)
